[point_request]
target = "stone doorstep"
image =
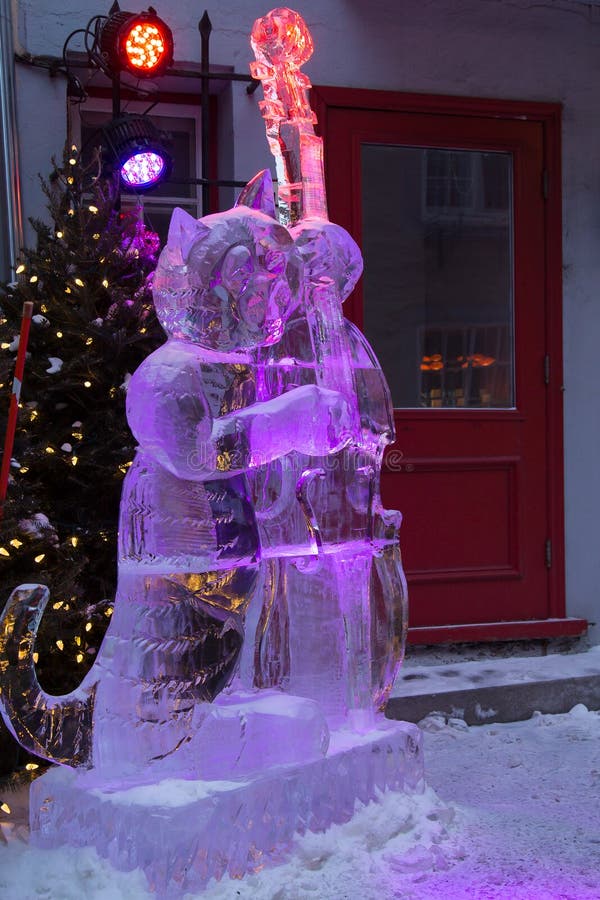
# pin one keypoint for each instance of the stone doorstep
(506, 690)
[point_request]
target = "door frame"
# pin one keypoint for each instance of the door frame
(346, 211)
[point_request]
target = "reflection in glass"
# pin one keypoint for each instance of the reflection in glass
(438, 296)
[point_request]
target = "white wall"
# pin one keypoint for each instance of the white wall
(488, 48)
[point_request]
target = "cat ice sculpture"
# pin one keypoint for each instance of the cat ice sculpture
(252, 536)
(189, 545)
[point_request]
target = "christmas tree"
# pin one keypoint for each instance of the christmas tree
(89, 278)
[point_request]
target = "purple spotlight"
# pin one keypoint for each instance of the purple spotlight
(143, 169)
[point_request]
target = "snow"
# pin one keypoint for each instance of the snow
(481, 673)
(510, 811)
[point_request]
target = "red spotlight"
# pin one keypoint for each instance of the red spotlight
(139, 43)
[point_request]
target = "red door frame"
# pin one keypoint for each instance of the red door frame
(347, 210)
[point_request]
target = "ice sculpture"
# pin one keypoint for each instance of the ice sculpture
(261, 604)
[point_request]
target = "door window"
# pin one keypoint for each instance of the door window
(437, 238)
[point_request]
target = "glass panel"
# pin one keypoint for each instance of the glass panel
(438, 283)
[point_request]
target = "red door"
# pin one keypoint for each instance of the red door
(449, 200)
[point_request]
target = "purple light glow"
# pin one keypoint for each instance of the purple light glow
(142, 169)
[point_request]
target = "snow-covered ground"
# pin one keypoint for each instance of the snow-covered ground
(510, 811)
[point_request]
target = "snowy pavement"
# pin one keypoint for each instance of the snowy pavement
(510, 811)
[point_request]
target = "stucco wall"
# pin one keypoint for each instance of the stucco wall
(487, 48)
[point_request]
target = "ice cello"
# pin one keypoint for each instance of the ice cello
(354, 596)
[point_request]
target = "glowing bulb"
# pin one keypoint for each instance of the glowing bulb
(79, 657)
(96, 236)
(24, 469)
(67, 290)
(33, 279)
(72, 161)
(57, 605)
(109, 611)
(78, 641)
(4, 345)
(31, 767)
(5, 808)
(93, 209)
(59, 334)
(36, 656)
(87, 383)
(105, 283)
(73, 148)
(74, 460)
(71, 212)
(60, 645)
(59, 234)
(4, 551)
(71, 180)
(79, 282)
(20, 269)
(39, 558)
(88, 626)
(74, 541)
(16, 543)
(49, 449)
(89, 341)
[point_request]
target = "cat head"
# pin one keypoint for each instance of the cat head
(230, 280)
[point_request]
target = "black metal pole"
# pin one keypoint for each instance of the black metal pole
(205, 28)
(116, 112)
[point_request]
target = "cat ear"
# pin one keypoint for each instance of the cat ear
(258, 194)
(184, 230)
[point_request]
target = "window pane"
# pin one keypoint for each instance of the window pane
(438, 284)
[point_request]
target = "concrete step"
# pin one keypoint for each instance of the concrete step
(498, 690)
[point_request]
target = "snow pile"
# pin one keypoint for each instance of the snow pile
(515, 817)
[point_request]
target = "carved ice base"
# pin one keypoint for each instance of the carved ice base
(183, 833)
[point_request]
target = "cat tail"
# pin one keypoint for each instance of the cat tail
(58, 729)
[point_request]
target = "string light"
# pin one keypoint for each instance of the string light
(23, 470)
(74, 541)
(96, 236)
(16, 543)
(93, 209)
(44, 308)
(5, 808)
(36, 656)
(105, 282)
(50, 450)
(33, 279)
(4, 551)
(89, 341)
(59, 334)
(78, 641)
(60, 645)
(57, 605)
(79, 282)
(39, 558)
(73, 148)
(79, 657)
(70, 180)
(4, 345)
(34, 414)
(59, 234)
(70, 212)
(74, 460)
(20, 268)
(77, 435)
(72, 161)
(108, 612)
(88, 626)
(31, 767)
(67, 290)
(87, 384)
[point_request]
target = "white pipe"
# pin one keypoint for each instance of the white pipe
(9, 145)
